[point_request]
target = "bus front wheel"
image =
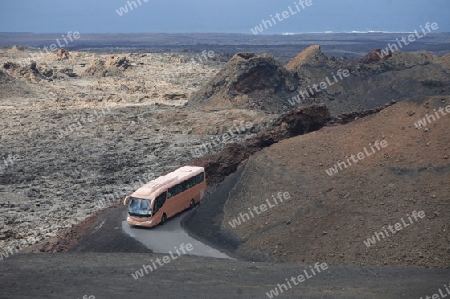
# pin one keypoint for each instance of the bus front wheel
(163, 219)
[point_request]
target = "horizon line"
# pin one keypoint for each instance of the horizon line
(235, 33)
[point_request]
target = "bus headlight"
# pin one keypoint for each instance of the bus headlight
(149, 222)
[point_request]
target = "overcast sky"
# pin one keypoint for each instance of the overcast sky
(231, 16)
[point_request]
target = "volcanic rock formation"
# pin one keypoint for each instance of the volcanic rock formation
(63, 54)
(375, 56)
(29, 72)
(112, 67)
(248, 81)
(311, 56)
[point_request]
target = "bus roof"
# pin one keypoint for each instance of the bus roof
(156, 186)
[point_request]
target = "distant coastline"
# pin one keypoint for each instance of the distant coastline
(284, 46)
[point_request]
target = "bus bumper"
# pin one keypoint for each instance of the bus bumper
(149, 223)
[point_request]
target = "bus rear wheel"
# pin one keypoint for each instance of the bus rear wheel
(191, 204)
(163, 219)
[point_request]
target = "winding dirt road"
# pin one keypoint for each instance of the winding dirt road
(103, 262)
(169, 237)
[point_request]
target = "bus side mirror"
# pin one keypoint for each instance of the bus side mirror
(126, 201)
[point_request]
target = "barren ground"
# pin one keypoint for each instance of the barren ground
(329, 217)
(137, 130)
(96, 126)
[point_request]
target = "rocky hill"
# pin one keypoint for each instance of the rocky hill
(12, 88)
(330, 217)
(259, 82)
(247, 81)
(311, 56)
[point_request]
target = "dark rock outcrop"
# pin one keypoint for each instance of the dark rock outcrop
(296, 122)
(112, 67)
(311, 56)
(62, 54)
(247, 81)
(375, 56)
(29, 72)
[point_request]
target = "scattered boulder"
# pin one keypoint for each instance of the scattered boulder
(47, 72)
(96, 68)
(4, 78)
(119, 62)
(175, 96)
(62, 54)
(10, 65)
(33, 66)
(30, 72)
(16, 49)
(9, 85)
(68, 71)
(113, 67)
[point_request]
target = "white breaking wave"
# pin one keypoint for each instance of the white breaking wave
(352, 31)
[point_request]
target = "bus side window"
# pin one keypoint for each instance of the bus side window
(174, 190)
(177, 189)
(163, 198)
(159, 201)
(190, 182)
(199, 178)
(186, 185)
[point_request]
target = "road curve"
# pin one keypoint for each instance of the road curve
(169, 237)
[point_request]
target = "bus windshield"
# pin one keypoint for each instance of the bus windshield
(139, 207)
